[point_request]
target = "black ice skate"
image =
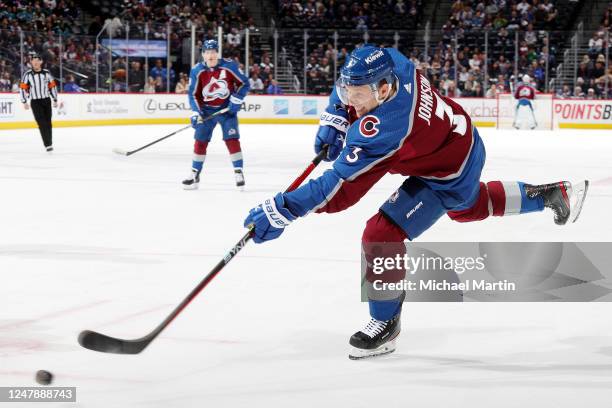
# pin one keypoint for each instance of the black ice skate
(193, 182)
(49, 149)
(376, 339)
(239, 179)
(564, 199)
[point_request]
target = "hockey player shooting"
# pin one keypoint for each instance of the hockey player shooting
(396, 122)
(524, 113)
(215, 84)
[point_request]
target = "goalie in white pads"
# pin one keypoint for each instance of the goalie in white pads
(524, 114)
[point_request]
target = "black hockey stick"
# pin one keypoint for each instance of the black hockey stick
(100, 342)
(128, 153)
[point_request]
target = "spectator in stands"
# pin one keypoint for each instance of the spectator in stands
(609, 76)
(584, 70)
(265, 76)
(566, 92)
(591, 94)
(325, 68)
(70, 86)
(463, 75)
(449, 89)
(514, 23)
(502, 84)
(256, 84)
(5, 82)
(150, 86)
(475, 62)
(159, 85)
(530, 36)
(95, 27)
(596, 44)
(540, 15)
(580, 83)
(159, 33)
(491, 92)
(254, 69)
(448, 70)
(600, 88)
(537, 73)
(599, 69)
(400, 7)
(468, 90)
(158, 69)
(313, 65)
(274, 88)
(315, 83)
(578, 93)
(233, 38)
(523, 7)
(500, 22)
(182, 86)
(136, 77)
(266, 63)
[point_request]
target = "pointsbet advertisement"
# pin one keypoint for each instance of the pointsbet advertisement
(122, 109)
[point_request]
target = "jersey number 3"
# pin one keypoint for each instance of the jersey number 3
(352, 157)
(457, 120)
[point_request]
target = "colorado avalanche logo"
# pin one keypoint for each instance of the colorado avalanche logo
(394, 197)
(368, 126)
(215, 89)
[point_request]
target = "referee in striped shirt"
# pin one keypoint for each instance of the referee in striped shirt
(38, 85)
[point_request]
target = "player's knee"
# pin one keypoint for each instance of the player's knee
(380, 229)
(199, 147)
(478, 211)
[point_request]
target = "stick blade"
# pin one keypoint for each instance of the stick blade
(105, 344)
(121, 152)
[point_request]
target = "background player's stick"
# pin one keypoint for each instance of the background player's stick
(127, 153)
(100, 342)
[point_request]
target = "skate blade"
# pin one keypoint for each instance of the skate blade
(360, 354)
(191, 187)
(579, 192)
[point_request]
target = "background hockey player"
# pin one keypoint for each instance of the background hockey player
(215, 84)
(396, 122)
(524, 113)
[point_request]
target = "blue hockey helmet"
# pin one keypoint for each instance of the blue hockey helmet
(368, 65)
(210, 45)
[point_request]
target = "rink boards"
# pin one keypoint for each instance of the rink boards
(138, 109)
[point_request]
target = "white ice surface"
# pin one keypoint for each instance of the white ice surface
(92, 240)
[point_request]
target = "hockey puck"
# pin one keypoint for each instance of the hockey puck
(44, 377)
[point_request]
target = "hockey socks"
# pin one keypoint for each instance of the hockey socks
(233, 146)
(199, 155)
(510, 198)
